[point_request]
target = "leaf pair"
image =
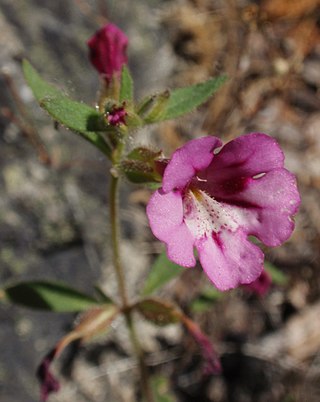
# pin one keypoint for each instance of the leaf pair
(90, 124)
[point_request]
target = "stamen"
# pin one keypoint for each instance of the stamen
(202, 180)
(258, 176)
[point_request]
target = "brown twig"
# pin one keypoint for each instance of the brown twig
(30, 133)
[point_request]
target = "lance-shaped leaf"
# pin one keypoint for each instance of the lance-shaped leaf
(184, 100)
(126, 85)
(177, 102)
(78, 117)
(162, 271)
(92, 323)
(50, 296)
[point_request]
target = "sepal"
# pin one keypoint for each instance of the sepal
(140, 166)
(153, 108)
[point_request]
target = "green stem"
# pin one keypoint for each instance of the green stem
(144, 374)
(113, 202)
(115, 236)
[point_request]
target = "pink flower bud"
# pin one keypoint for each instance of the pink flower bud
(107, 51)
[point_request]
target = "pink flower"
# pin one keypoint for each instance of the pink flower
(107, 51)
(212, 200)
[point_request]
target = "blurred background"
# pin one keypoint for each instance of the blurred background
(53, 204)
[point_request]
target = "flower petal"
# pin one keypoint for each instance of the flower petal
(229, 259)
(266, 205)
(165, 214)
(248, 175)
(246, 156)
(186, 161)
(276, 199)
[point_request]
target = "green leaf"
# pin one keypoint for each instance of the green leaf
(126, 86)
(161, 272)
(277, 276)
(161, 389)
(40, 88)
(51, 296)
(184, 100)
(78, 117)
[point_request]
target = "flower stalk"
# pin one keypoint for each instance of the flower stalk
(115, 237)
(114, 220)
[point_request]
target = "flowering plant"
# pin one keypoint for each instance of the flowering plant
(209, 198)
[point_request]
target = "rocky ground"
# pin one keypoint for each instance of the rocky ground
(54, 220)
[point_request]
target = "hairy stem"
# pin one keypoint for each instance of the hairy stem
(114, 220)
(115, 237)
(143, 369)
